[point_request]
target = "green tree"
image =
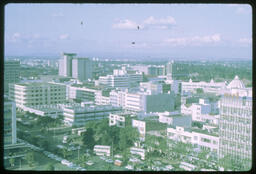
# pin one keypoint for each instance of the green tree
(50, 167)
(30, 158)
(199, 91)
(127, 137)
(229, 163)
(65, 152)
(12, 159)
(88, 138)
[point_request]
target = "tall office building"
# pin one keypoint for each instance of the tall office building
(11, 73)
(65, 64)
(82, 69)
(9, 122)
(235, 124)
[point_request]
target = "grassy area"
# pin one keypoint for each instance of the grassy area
(155, 125)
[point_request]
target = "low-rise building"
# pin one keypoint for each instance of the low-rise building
(102, 97)
(197, 137)
(120, 79)
(199, 111)
(102, 150)
(141, 125)
(81, 93)
(78, 115)
(52, 111)
(138, 151)
(32, 94)
(175, 119)
(208, 87)
(119, 119)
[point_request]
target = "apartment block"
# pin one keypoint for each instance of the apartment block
(37, 93)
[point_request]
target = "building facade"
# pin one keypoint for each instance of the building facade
(32, 94)
(201, 139)
(235, 124)
(235, 128)
(11, 73)
(82, 69)
(208, 87)
(65, 64)
(78, 115)
(9, 122)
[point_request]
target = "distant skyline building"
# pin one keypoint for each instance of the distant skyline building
(169, 70)
(78, 68)
(82, 69)
(156, 70)
(121, 79)
(11, 73)
(65, 64)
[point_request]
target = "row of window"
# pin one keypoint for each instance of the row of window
(235, 127)
(236, 111)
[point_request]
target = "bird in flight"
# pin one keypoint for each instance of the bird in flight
(138, 27)
(133, 43)
(82, 23)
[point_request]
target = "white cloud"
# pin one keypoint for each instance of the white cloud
(15, 37)
(63, 36)
(245, 40)
(150, 22)
(163, 21)
(125, 24)
(59, 14)
(195, 40)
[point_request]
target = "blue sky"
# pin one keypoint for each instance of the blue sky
(175, 31)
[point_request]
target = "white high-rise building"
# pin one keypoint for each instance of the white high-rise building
(235, 124)
(82, 69)
(65, 64)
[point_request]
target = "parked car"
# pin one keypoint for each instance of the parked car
(89, 163)
(109, 160)
(129, 167)
(67, 163)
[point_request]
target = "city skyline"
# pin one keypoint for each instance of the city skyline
(130, 30)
